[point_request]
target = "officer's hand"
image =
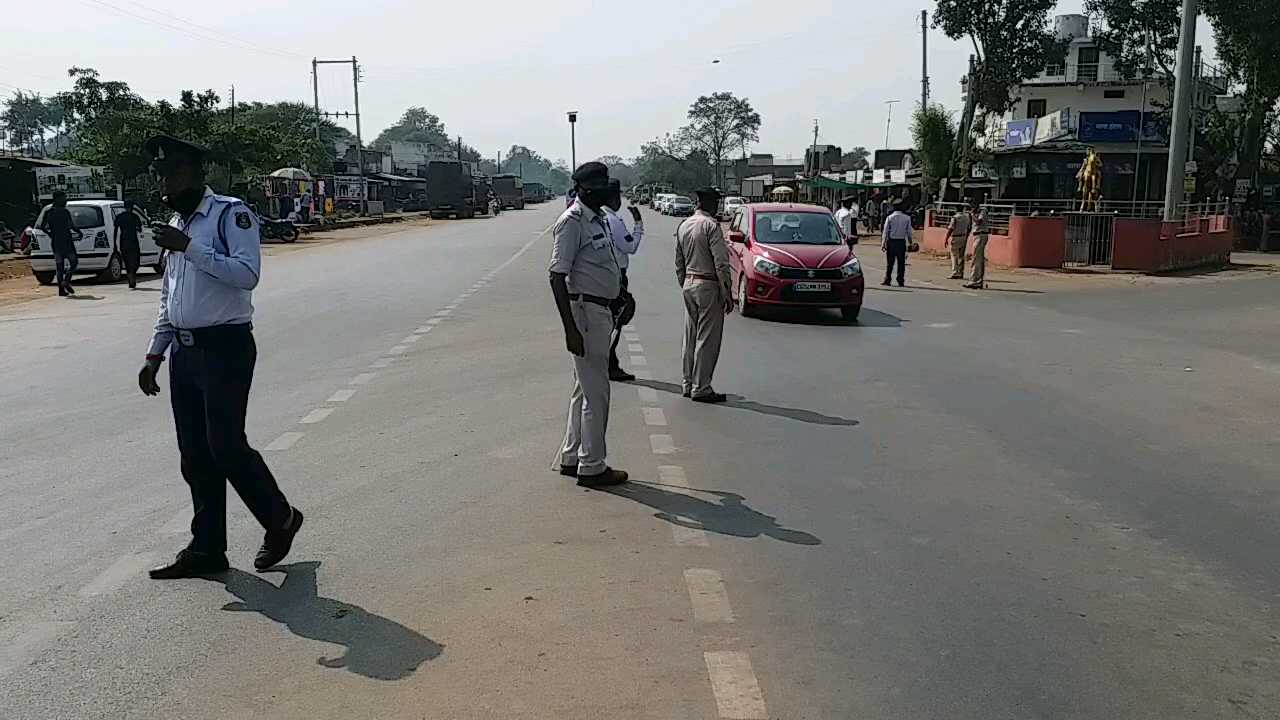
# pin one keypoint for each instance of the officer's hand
(147, 378)
(635, 213)
(574, 343)
(170, 237)
(730, 306)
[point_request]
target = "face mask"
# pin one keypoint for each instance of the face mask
(185, 201)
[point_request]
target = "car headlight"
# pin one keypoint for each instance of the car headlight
(768, 267)
(852, 268)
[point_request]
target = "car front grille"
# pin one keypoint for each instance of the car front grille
(802, 274)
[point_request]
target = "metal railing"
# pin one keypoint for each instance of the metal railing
(1001, 211)
(998, 215)
(1217, 212)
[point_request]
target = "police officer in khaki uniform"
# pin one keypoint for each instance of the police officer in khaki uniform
(585, 280)
(702, 269)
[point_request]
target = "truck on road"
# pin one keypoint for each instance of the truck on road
(449, 189)
(509, 189)
(535, 192)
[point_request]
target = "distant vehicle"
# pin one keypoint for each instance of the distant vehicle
(96, 221)
(793, 255)
(731, 206)
(656, 201)
(680, 206)
(535, 192)
(270, 229)
(479, 197)
(510, 190)
(449, 189)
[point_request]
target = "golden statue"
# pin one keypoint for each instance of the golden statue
(1090, 181)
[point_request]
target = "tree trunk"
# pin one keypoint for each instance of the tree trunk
(1253, 139)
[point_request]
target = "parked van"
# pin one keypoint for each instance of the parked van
(96, 221)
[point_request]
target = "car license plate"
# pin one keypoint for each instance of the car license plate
(812, 287)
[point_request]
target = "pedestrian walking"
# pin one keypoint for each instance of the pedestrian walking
(127, 233)
(702, 269)
(981, 233)
(63, 233)
(626, 243)
(585, 281)
(958, 237)
(886, 208)
(205, 325)
(895, 238)
(847, 218)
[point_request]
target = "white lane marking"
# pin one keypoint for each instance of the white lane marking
(642, 373)
(411, 340)
(178, 524)
(689, 537)
(673, 475)
(19, 651)
(638, 360)
(423, 330)
(434, 321)
(316, 416)
(342, 395)
(654, 416)
(940, 325)
(635, 347)
(284, 442)
(520, 252)
(735, 686)
(118, 573)
(707, 593)
(381, 363)
(661, 444)
(647, 394)
(397, 349)
(451, 307)
(1072, 331)
(362, 379)
(444, 313)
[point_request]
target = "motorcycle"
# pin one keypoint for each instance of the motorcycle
(278, 230)
(495, 207)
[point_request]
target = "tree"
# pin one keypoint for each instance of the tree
(110, 122)
(1138, 36)
(668, 160)
(416, 126)
(719, 124)
(934, 132)
(620, 170)
(1248, 45)
(856, 159)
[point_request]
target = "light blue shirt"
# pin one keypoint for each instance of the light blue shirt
(626, 243)
(212, 282)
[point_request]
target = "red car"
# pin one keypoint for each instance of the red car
(785, 254)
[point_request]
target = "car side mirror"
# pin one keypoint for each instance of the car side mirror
(737, 236)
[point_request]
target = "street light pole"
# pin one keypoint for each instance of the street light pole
(1182, 91)
(573, 141)
(889, 122)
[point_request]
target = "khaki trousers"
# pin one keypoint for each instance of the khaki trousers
(584, 436)
(703, 331)
(959, 245)
(979, 260)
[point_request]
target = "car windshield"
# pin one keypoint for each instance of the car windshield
(797, 228)
(682, 199)
(82, 216)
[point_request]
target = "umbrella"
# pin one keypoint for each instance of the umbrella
(784, 190)
(292, 173)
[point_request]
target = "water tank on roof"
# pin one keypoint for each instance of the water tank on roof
(1066, 27)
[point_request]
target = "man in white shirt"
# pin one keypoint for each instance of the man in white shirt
(895, 239)
(626, 243)
(847, 218)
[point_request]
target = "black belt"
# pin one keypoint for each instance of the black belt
(595, 299)
(212, 335)
(700, 276)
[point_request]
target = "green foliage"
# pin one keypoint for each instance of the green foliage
(416, 126)
(1248, 45)
(28, 117)
(1139, 36)
(1011, 38)
(856, 159)
(934, 132)
(720, 124)
(667, 160)
(535, 168)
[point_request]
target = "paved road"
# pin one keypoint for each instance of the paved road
(970, 505)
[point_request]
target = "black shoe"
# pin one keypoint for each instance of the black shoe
(276, 545)
(974, 286)
(620, 375)
(886, 283)
(569, 470)
(62, 291)
(70, 290)
(608, 478)
(189, 564)
(711, 397)
(902, 283)
(686, 393)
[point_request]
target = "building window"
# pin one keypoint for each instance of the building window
(1036, 108)
(1087, 59)
(1054, 70)
(1113, 94)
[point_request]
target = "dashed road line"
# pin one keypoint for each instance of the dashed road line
(638, 360)
(708, 596)
(735, 686)
(362, 378)
(434, 321)
(444, 313)
(654, 416)
(647, 394)
(410, 339)
(689, 537)
(381, 363)
(423, 330)
(316, 416)
(284, 442)
(635, 347)
(342, 395)
(940, 325)
(118, 573)
(397, 350)
(661, 444)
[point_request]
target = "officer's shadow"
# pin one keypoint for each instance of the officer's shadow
(376, 647)
(730, 516)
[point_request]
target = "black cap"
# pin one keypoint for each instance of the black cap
(592, 176)
(615, 184)
(169, 149)
(708, 192)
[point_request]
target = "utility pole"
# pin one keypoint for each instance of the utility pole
(499, 163)
(315, 91)
(889, 122)
(1182, 92)
(1137, 163)
(924, 59)
(1195, 105)
(813, 153)
(573, 142)
(355, 87)
(233, 106)
(459, 148)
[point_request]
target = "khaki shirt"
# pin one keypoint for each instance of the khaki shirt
(700, 250)
(960, 224)
(583, 251)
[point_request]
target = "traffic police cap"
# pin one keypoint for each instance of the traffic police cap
(167, 150)
(709, 193)
(592, 176)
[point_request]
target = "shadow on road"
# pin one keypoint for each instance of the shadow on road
(741, 403)
(830, 318)
(83, 297)
(730, 516)
(376, 647)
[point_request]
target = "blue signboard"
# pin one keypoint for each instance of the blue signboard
(1019, 133)
(1121, 127)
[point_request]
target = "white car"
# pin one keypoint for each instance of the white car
(95, 248)
(732, 205)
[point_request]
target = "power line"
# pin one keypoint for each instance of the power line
(213, 31)
(186, 30)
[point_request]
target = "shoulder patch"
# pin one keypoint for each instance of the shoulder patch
(243, 221)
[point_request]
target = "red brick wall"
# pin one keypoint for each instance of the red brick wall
(1155, 246)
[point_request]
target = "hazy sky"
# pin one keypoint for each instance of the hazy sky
(503, 72)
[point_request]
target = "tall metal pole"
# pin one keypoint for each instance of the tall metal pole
(573, 141)
(1195, 105)
(924, 59)
(889, 122)
(1182, 92)
(1137, 163)
(813, 153)
(315, 90)
(499, 163)
(355, 91)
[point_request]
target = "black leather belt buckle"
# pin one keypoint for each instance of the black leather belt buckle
(186, 338)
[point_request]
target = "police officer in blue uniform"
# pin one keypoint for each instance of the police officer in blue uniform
(205, 325)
